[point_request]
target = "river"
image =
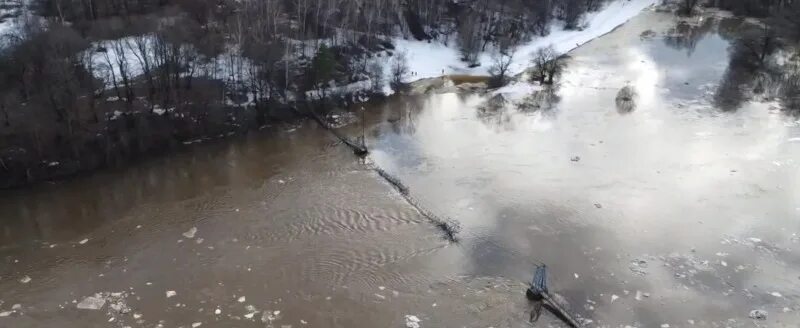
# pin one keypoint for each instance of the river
(670, 212)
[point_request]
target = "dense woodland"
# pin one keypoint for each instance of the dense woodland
(92, 83)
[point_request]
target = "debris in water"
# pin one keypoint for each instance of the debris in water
(598, 205)
(241, 299)
(381, 287)
(412, 321)
(776, 294)
(303, 322)
(6, 313)
(84, 241)
(190, 233)
(576, 276)
(270, 316)
(197, 324)
(758, 315)
(690, 321)
(614, 298)
(666, 325)
(638, 296)
(380, 296)
(638, 266)
(137, 316)
(16, 307)
(575, 159)
(171, 293)
(25, 279)
(95, 302)
(217, 311)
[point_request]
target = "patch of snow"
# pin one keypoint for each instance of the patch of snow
(427, 60)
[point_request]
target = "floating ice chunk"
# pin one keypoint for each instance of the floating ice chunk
(381, 287)
(412, 321)
(776, 294)
(303, 322)
(190, 233)
(137, 316)
(171, 293)
(6, 313)
(84, 241)
(25, 279)
(576, 276)
(217, 311)
(16, 307)
(754, 240)
(197, 324)
(95, 302)
(242, 299)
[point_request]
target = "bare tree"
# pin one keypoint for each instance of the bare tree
(375, 73)
(399, 71)
(501, 62)
(687, 6)
(547, 65)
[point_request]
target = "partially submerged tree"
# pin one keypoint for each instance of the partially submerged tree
(399, 71)
(501, 62)
(547, 65)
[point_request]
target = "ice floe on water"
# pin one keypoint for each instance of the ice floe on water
(190, 233)
(412, 321)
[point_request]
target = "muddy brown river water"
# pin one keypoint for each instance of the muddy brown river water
(674, 213)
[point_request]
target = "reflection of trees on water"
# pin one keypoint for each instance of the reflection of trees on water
(751, 70)
(545, 100)
(498, 111)
(687, 36)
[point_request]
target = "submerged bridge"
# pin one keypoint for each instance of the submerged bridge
(537, 292)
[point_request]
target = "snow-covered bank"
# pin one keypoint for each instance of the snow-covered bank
(433, 59)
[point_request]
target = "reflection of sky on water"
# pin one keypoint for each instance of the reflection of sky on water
(674, 175)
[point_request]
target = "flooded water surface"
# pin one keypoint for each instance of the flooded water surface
(650, 207)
